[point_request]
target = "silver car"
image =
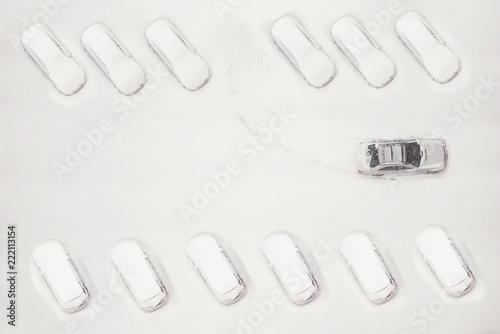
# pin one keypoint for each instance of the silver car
(402, 156)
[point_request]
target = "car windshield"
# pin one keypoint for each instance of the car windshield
(413, 154)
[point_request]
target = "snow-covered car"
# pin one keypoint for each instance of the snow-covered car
(368, 267)
(181, 58)
(216, 268)
(305, 54)
(363, 51)
(428, 47)
(290, 267)
(56, 62)
(61, 275)
(114, 60)
(139, 274)
(445, 260)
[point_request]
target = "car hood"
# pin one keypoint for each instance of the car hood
(434, 152)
